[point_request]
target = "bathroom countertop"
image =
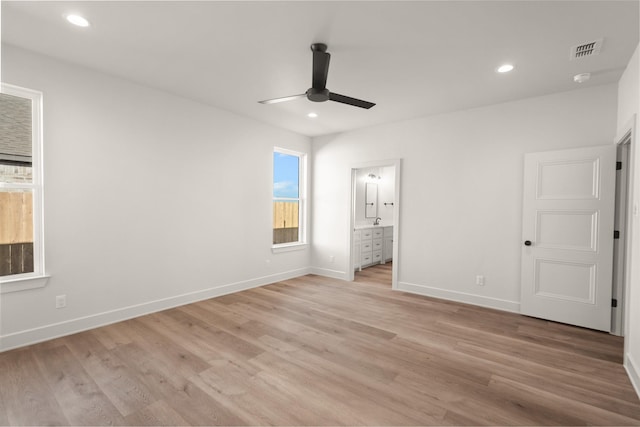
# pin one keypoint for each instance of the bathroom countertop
(363, 226)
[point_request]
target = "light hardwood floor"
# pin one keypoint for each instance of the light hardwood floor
(317, 351)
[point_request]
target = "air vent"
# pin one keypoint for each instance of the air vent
(584, 50)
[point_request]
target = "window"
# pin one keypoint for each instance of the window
(21, 245)
(289, 170)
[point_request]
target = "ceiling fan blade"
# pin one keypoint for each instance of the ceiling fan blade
(320, 69)
(283, 99)
(350, 101)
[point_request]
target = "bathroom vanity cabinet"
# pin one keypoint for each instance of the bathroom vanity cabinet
(372, 245)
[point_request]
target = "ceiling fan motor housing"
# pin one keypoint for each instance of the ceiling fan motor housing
(319, 47)
(318, 95)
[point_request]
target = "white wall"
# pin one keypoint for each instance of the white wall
(151, 200)
(628, 109)
(386, 194)
(461, 188)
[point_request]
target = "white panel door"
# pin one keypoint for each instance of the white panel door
(567, 236)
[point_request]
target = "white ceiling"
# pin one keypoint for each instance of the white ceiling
(411, 58)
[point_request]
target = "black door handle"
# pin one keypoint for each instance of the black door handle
(527, 242)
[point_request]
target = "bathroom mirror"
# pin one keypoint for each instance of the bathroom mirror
(371, 200)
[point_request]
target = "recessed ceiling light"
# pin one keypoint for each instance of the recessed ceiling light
(505, 68)
(78, 20)
(312, 115)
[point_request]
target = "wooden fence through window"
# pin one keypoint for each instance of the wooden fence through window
(285, 222)
(16, 232)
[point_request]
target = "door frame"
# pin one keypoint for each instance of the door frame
(621, 249)
(396, 163)
(628, 136)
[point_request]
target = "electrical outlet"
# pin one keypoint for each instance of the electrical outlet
(480, 280)
(331, 258)
(61, 301)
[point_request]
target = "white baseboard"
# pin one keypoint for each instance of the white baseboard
(496, 303)
(334, 274)
(633, 370)
(68, 327)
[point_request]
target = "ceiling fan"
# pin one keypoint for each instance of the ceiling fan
(318, 91)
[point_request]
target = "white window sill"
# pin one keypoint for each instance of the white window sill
(288, 247)
(23, 284)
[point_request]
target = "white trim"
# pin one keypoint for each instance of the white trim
(16, 186)
(37, 185)
(397, 164)
(56, 330)
(289, 151)
(22, 283)
(479, 300)
(629, 132)
(326, 272)
(288, 247)
(619, 322)
(633, 370)
(302, 198)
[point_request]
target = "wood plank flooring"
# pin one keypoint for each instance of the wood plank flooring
(317, 351)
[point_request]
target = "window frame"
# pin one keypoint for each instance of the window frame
(301, 199)
(37, 278)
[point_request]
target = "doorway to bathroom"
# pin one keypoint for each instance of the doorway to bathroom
(375, 222)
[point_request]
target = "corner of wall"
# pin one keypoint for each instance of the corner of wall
(633, 370)
(628, 110)
(325, 272)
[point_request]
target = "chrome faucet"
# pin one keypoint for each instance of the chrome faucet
(377, 221)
